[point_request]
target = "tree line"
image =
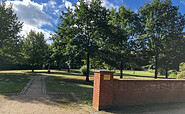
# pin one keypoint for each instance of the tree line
(99, 37)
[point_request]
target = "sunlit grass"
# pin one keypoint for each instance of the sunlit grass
(136, 74)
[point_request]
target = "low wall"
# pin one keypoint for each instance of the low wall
(137, 91)
(109, 92)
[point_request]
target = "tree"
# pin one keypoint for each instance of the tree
(48, 58)
(9, 37)
(162, 21)
(35, 49)
(84, 28)
(124, 25)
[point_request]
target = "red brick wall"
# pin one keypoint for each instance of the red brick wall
(125, 92)
(96, 91)
(103, 90)
(133, 91)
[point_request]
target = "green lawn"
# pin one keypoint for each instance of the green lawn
(136, 74)
(81, 88)
(13, 82)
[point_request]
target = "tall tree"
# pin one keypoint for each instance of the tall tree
(162, 21)
(84, 28)
(35, 49)
(9, 29)
(125, 24)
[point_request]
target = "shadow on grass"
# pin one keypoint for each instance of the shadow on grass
(73, 73)
(83, 89)
(13, 83)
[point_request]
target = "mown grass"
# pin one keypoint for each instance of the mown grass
(13, 82)
(80, 87)
(136, 74)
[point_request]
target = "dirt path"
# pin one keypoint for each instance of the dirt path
(33, 102)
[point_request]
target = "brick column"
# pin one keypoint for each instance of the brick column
(103, 89)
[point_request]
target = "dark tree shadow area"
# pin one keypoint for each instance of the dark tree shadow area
(74, 73)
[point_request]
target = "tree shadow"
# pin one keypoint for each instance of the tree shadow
(73, 73)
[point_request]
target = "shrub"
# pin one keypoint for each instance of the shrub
(172, 73)
(83, 70)
(182, 66)
(151, 70)
(181, 75)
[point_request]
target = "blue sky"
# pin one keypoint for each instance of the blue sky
(43, 15)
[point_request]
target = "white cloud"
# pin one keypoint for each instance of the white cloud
(35, 15)
(108, 5)
(68, 4)
(32, 16)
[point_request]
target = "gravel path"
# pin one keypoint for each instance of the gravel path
(33, 102)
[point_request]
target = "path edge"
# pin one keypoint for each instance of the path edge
(44, 91)
(27, 86)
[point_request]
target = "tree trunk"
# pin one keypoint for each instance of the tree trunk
(32, 62)
(32, 68)
(166, 73)
(121, 70)
(156, 65)
(68, 70)
(87, 75)
(48, 68)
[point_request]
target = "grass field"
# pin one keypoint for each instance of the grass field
(71, 82)
(136, 74)
(13, 82)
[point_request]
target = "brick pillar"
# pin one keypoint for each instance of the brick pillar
(103, 89)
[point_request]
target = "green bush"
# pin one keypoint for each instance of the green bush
(172, 73)
(83, 70)
(182, 66)
(181, 75)
(151, 70)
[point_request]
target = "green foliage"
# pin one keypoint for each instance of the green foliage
(10, 44)
(35, 49)
(151, 70)
(182, 66)
(83, 70)
(82, 30)
(172, 73)
(181, 75)
(163, 23)
(124, 25)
